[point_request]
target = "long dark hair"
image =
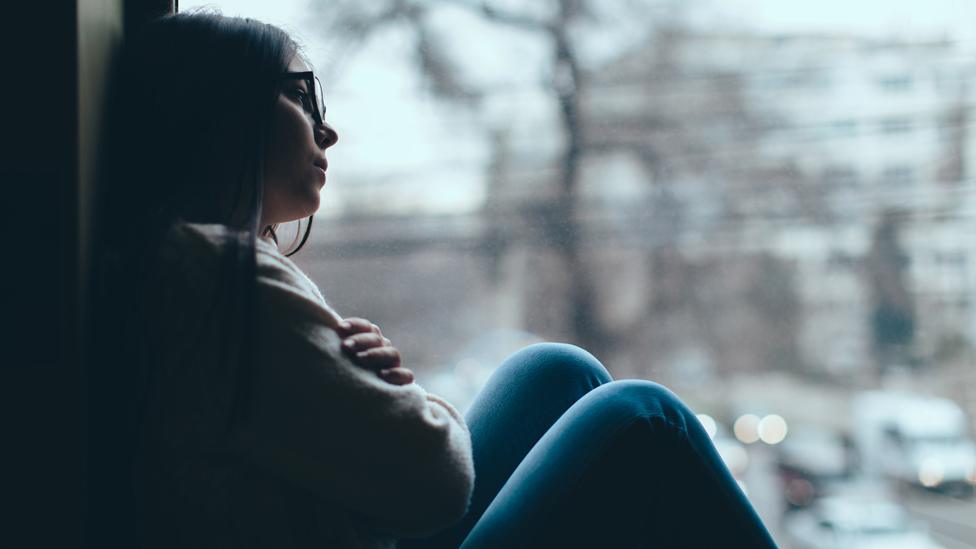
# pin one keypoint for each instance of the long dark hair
(190, 106)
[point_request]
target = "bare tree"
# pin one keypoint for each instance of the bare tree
(698, 134)
(674, 134)
(893, 313)
(558, 220)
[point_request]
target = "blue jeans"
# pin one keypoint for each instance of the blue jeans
(566, 457)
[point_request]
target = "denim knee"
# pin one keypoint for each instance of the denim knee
(637, 399)
(555, 362)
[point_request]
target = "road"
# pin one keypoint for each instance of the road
(951, 521)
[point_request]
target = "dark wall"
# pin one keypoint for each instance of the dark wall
(41, 402)
(45, 121)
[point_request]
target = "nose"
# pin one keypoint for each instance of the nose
(325, 135)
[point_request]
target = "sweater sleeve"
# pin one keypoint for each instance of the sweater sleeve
(394, 454)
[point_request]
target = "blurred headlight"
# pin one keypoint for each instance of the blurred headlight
(930, 473)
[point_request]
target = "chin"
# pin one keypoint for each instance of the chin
(300, 213)
(308, 210)
(313, 206)
(305, 205)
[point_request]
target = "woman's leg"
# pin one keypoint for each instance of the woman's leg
(628, 465)
(522, 400)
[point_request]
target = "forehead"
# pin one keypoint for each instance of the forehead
(297, 64)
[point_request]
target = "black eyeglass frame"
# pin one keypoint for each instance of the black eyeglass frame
(314, 92)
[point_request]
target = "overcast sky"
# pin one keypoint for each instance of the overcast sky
(909, 17)
(878, 15)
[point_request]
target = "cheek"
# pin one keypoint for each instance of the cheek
(277, 150)
(283, 162)
(288, 139)
(291, 189)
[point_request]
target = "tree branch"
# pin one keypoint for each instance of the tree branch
(491, 13)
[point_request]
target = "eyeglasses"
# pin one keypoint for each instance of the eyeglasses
(311, 98)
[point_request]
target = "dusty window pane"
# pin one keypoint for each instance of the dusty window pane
(777, 220)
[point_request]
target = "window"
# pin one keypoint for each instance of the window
(845, 127)
(896, 83)
(841, 261)
(951, 260)
(442, 221)
(896, 125)
(840, 177)
(898, 176)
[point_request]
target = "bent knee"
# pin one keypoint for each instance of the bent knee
(642, 398)
(559, 361)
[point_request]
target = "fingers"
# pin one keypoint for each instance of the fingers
(364, 342)
(379, 358)
(397, 376)
(361, 342)
(355, 325)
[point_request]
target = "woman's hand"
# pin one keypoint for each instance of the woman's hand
(364, 343)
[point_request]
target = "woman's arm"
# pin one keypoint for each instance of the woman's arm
(391, 452)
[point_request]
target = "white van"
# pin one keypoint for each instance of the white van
(915, 439)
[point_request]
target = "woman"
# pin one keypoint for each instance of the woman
(233, 408)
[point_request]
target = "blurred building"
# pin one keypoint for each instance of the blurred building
(721, 146)
(732, 186)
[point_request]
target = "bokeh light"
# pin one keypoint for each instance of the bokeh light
(709, 424)
(772, 429)
(931, 472)
(746, 428)
(736, 458)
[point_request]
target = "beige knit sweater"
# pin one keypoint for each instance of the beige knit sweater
(319, 453)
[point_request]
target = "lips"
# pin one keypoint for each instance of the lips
(321, 165)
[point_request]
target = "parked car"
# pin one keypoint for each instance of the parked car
(810, 461)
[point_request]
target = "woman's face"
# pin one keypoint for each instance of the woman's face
(294, 163)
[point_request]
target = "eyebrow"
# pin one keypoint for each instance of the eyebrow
(301, 81)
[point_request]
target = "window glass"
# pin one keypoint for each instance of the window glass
(769, 207)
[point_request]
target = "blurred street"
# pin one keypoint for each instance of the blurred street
(950, 521)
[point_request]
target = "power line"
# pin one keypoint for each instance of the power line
(745, 78)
